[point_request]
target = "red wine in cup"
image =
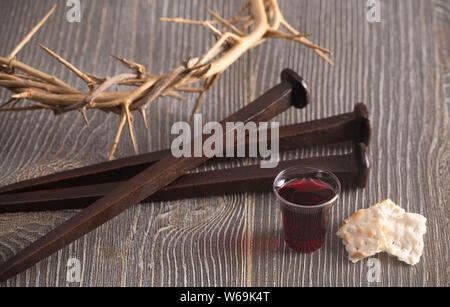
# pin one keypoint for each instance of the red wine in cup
(305, 228)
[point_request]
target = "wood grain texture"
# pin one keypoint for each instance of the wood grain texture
(399, 67)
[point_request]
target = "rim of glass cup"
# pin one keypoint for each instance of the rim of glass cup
(316, 170)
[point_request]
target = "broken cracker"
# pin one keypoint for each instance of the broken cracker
(384, 227)
(362, 233)
(404, 236)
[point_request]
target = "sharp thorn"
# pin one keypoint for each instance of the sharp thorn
(30, 34)
(130, 127)
(117, 136)
(144, 117)
(85, 118)
(197, 104)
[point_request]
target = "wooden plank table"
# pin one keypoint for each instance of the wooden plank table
(400, 67)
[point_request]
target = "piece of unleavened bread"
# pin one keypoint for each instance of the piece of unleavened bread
(362, 233)
(384, 227)
(404, 236)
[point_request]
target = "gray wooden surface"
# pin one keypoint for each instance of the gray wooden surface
(399, 67)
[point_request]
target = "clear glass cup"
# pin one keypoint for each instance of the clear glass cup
(306, 196)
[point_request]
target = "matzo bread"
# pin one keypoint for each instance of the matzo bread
(384, 227)
(389, 208)
(404, 236)
(362, 233)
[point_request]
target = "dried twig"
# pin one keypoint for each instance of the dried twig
(19, 46)
(79, 73)
(254, 23)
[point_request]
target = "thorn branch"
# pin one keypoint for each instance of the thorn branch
(253, 24)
